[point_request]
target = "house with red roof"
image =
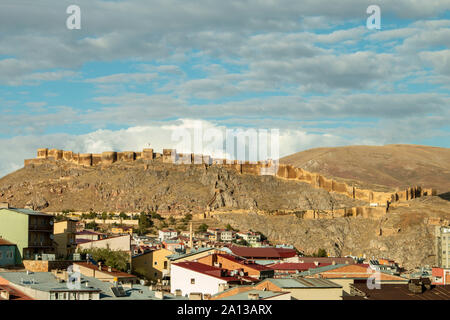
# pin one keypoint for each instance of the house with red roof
(195, 277)
(237, 265)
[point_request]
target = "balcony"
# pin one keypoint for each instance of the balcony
(40, 227)
(40, 245)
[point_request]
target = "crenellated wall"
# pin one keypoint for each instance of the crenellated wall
(268, 167)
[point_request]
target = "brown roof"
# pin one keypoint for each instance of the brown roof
(4, 242)
(14, 294)
(263, 252)
(114, 272)
(358, 271)
(400, 292)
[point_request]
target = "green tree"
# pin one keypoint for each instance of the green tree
(187, 217)
(171, 220)
(104, 216)
(111, 216)
(145, 222)
(230, 228)
(92, 215)
(203, 227)
(123, 216)
(115, 259)
(155, 215)
(92, 225)
(321, 253)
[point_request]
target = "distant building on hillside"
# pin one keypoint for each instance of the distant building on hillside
(442, 243)
(166, 234)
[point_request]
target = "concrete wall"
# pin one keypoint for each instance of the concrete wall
(121, 243)
(14, 228)
(180, 278)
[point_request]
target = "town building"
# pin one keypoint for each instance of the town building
(54, 286)
(64, 236)
(264, 253)
(30, 230)
(220, 235)
(153, 265)
(415, 289)
(250, 293)
(346, 274)
(174, 245)
(166, 234)
(282, 269)
(9, 293)
(237, 266)
(442, 244)
(253, 238)
(440, 276)
(304, 289)
(122, 230)
(9, 255)
(194, 277)
(104, 273)
(118, 243)
(89, 235)
(45, 286)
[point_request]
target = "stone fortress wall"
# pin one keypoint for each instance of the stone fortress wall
(268, 167)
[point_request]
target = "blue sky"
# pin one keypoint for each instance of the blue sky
(138, 69)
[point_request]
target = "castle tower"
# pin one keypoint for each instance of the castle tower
(191, 242)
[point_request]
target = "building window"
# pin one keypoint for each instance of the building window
(192, 281)
(156, 262)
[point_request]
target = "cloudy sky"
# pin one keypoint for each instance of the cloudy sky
(137, 69)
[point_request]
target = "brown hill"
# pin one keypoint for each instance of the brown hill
(162, 187)
(394, 166)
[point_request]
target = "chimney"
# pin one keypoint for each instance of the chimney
(99, 266)
(207, 296)
(253, 296)
(109, 269)
(191, 242)
(195, 296)
(223, 287)
(159, 295)
(4, 294)
(4, 205)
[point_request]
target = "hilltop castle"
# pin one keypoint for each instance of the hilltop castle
(268, 167)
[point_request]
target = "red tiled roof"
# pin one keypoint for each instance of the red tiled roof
(336, 260)
(114, 272)
(4, 242)
(207, 270)
(268, 253)
(296, 266)
(247, 263)
(88, 232)
(14, 294)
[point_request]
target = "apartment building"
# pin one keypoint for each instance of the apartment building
(30, 230)
(64, 233)
(167, 234)
(442, 243)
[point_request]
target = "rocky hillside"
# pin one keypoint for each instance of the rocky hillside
(397, 166)
(162, 187)
(405, 234)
